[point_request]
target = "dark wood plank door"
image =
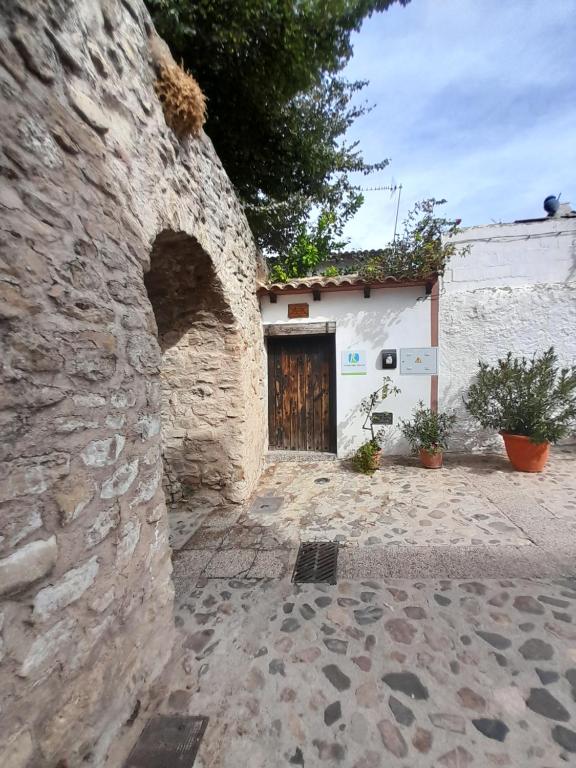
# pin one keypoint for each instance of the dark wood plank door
(301, 396)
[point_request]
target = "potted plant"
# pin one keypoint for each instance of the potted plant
(531, 402)
(428, 434)
(367, 457)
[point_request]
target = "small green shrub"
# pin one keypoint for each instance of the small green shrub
(422, 250)
(428, 430)
(531, 397)
(364, 459)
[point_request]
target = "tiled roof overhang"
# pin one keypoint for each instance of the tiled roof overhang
(340, 283)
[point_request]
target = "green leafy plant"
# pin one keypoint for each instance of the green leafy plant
(332, 271)
(428, 430)
(315, 243)
(365, 458)
(532, 397)
(422, 250)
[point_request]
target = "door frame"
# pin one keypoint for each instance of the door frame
(290, 330)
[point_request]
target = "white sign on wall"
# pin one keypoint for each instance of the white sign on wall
(353, 363)
(419, 361)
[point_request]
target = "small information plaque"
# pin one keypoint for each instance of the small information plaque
(382, 417)
(298, 310)
(353, 363)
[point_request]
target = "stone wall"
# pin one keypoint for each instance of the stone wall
(99, 205)
(515, 289)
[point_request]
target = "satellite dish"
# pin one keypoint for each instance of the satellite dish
(552, 204)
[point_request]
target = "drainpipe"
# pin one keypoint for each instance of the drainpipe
(434, 315)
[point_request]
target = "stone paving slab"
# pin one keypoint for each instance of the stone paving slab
(379, 674)
(453, 562)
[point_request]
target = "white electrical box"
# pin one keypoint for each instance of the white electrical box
(417, 361)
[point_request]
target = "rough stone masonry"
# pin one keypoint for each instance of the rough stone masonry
(123, 251)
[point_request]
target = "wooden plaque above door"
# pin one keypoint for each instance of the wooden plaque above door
(298, 310)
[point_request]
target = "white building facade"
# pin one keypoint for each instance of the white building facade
(511, 287)
(513, 290)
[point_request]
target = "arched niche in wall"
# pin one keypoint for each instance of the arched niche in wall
(200, 372)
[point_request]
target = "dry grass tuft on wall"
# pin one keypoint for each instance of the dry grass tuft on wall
(183, 102)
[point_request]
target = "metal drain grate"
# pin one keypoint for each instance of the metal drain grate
(168, 741)
(267, 504)
(316, 563)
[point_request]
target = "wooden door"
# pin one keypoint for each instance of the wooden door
(301, 393)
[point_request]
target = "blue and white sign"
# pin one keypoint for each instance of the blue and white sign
(353, 363)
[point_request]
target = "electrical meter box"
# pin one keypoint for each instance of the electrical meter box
(388, 359)
(419, 361)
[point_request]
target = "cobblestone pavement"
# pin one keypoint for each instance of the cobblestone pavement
(447, 648)
(367, 674)
(402, 521)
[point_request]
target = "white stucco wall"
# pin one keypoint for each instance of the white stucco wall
(392, 318)
(515, 290)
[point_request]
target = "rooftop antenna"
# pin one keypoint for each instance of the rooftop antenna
(397, 211)
(392, 189)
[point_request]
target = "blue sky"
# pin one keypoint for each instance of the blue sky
(475, 102)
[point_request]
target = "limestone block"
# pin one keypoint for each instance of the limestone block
(147, 488)
(28, 564)
(1, 635)
(106, 521)
(66, 424)
(35, 53)
(45, 651)
(121, 480)
(66, 591)
(148, 426)
(89, 400)
(24, 477)
(103, 453)
(128, 542)
(19, 521)
(100, 603)
(144, 353)
(122, 399)
(89, 110)
(18, 751)
(73, 495)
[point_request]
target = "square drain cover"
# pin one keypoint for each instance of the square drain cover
(168, 741)
(316, 563)
(267, 504)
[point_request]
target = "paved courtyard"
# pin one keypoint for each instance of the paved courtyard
(449, 639)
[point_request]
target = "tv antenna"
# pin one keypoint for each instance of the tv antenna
(392, 188)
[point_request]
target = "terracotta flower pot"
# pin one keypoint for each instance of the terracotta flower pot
(431, 460)
(524, 455)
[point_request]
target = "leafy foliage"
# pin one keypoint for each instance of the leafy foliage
(314, 244)
(420, 251)
(428, 430)
(278, 110)
(531, 397)
(364, 458)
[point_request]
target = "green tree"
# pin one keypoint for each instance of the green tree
(277, 109)
(313, 244)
